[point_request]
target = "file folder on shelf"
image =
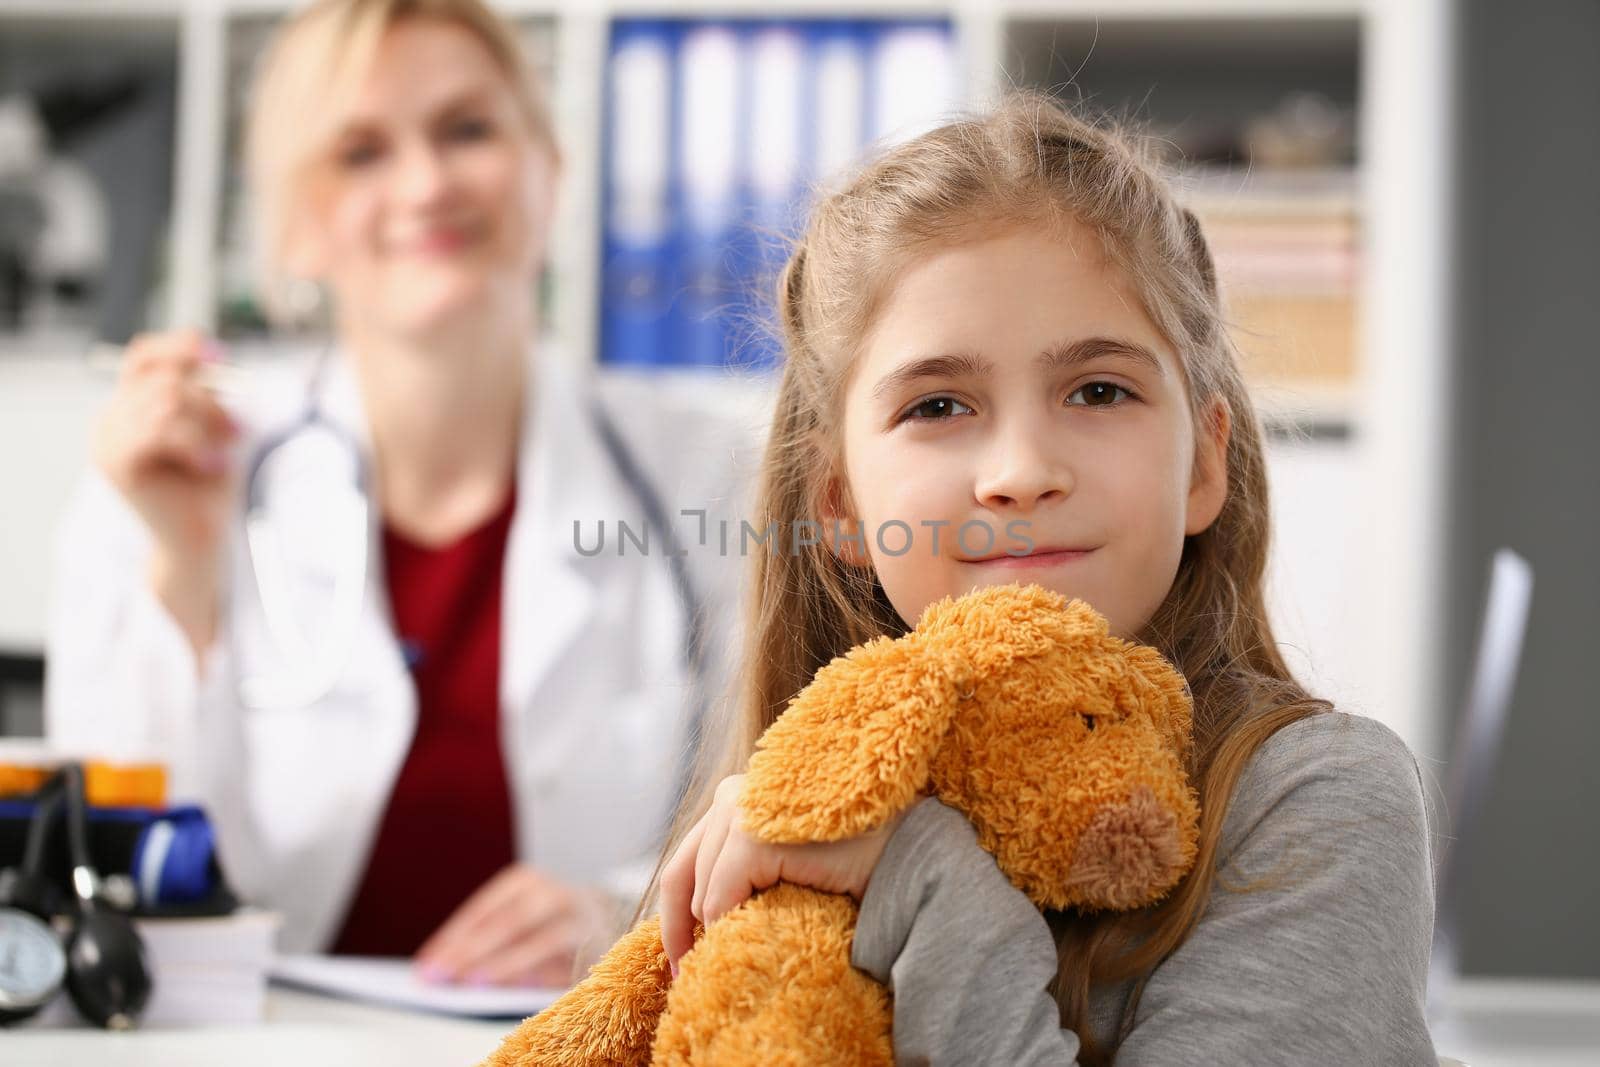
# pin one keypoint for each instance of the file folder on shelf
(637, 253)
(717, 130)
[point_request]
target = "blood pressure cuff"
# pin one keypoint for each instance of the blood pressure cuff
(169, 855)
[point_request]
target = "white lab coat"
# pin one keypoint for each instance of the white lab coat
(593, 688)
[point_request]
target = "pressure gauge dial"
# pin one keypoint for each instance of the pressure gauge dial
(32, 964)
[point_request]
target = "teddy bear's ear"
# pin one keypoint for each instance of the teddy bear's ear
(855, 745)
(1162, 691)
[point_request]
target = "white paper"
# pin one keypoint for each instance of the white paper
(394, 982)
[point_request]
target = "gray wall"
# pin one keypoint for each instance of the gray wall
(1527, 453)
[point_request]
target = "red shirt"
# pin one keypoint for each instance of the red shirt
(448, 826)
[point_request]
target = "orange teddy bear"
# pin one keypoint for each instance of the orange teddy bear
(1065, 747)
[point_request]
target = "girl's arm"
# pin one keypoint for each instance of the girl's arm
(1325, 962)
(1330, 957)
(966, 954)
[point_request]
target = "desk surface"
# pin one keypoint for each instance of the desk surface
(1521, 1023)
(1493, 1024)
(301, 1030)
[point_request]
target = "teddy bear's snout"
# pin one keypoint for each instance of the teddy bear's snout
(1128, 851)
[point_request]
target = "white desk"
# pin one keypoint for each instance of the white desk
(1497, 1024)
(301, 1030)
(1521, 1023)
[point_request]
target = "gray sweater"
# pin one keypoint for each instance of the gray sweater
(1328, 967)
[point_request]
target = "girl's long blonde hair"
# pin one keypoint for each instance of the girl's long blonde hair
(309, 72)
(1025, 161)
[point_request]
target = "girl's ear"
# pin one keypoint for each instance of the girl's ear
(1208, 485)
(841, 530)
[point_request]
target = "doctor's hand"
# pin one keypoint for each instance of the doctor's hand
(521, 927)
(165, 443)
(719, 866)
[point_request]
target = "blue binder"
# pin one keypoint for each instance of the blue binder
(710, 128)
(717, 132)
(775, 160)
(637, 211)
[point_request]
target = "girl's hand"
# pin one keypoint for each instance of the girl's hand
(718, 866)
(520, 928)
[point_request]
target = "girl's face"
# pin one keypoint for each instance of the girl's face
(433, 200)
(1013, 396)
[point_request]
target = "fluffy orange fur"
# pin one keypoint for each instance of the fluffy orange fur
(1065, 747)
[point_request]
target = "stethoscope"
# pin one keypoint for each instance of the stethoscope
(324, 659)
(319, 662)
(87, 946)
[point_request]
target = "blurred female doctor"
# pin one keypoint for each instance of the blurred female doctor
(485, 781)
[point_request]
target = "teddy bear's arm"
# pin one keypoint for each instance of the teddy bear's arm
(607, 1020)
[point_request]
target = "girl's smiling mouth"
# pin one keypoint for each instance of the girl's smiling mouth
(1041, 556)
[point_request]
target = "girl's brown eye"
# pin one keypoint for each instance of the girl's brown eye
(1099, 394)
(934, 408)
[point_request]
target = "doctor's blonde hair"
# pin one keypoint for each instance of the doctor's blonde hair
(1027, 161)
(307, 74)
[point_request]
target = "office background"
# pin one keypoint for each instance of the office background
(1400, 197)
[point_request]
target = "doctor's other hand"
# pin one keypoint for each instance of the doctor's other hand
(165, 443)
(719, 866)
(521, 927)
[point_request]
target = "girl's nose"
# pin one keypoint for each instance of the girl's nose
(1020, 470)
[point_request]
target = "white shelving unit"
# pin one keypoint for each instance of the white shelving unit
(1373, 574)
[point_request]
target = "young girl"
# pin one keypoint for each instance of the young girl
(1010, 320)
